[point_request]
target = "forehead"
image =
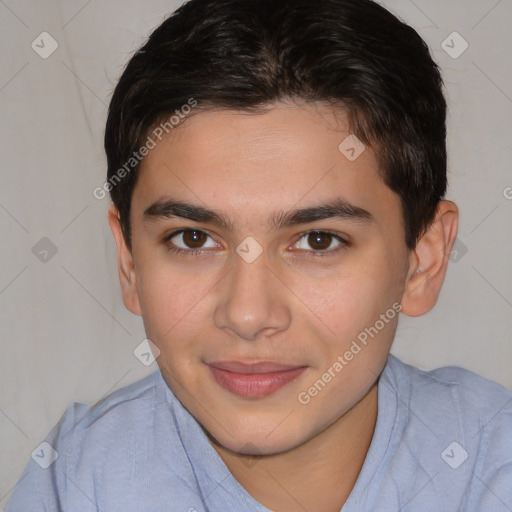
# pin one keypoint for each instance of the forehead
(259, 163)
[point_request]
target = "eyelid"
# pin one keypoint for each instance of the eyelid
(343, 242)
(177, 232)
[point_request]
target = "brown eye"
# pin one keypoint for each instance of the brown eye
(319, 241)
(194, 239)
(190, 240)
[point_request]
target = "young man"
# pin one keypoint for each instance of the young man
(278, 172)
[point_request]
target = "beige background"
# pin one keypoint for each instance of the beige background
(65, 333)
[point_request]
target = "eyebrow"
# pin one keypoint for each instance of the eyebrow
(335, 209)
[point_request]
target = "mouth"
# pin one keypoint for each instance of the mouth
(253, 380)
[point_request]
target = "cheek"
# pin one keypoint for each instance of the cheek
(348, 296)
(170, 303)
(349, 306)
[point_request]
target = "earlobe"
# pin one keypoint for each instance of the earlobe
(126, 268)
(429, 261)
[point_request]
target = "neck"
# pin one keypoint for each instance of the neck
(316, 475)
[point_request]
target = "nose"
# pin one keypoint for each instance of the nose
(252, 302)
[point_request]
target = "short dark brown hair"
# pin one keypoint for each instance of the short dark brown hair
(247, 54)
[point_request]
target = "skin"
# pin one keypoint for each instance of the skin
(290, 305)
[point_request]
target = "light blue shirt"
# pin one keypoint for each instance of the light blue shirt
(442, 443)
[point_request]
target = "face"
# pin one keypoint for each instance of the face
(260, 255)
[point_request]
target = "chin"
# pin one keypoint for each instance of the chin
(260, 441)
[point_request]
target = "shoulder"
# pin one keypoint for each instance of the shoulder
(123, 405)
(90, 435)
(462, 391)
(458, 425)
(91, 450)
(450, 437)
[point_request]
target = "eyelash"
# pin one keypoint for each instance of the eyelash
(184, 252)
(344, 244)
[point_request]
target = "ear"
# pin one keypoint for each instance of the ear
(429, 260)
(126, 268)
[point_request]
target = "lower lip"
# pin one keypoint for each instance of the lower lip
(254, 385)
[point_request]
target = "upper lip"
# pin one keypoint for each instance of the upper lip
(254, 367)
